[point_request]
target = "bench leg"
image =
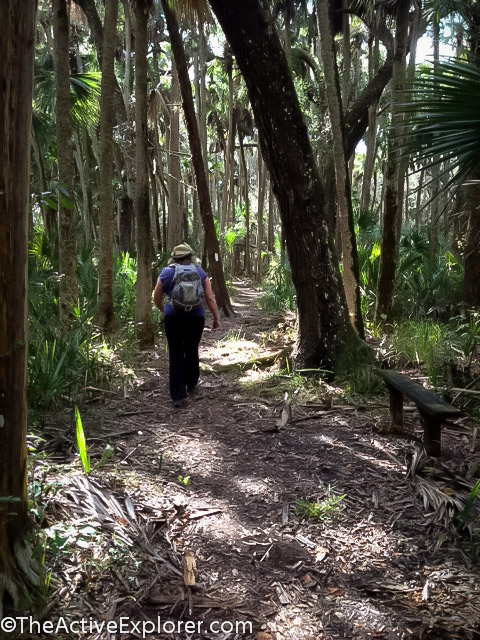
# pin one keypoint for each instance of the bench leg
(396, 406)
(432, 430)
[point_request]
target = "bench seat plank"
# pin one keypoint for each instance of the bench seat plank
(434, 410)
(425, 400)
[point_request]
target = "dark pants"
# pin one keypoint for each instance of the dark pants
(183, 336)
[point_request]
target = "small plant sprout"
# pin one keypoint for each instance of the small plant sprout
(106, 455)
(322, 510)
(81, 443)
(183, 480)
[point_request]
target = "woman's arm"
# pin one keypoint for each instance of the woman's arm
(158, 295)
(210, 300)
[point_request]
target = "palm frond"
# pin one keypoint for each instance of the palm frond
(442, 120)
(191, 11)
(438, 9)
(84, 92)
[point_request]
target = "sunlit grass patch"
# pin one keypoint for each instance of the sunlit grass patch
(280, 383)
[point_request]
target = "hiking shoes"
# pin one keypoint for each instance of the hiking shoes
(194, 393)
(178, 404)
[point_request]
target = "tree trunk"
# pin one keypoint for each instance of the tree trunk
(212, 247)
(67, 228)
(174, 171)
(143, 306)
(127, 85)
(82, 158)
(392, 204)
(127, 214)
(16, 74)
(347, 58)
(94, 22)
(371, 154)
(105, 316)
(436, 167)
(271, 221)
(325, 333)
(471, 196)
(262, 183)
(246, 262)
(472, 261)
(342, 180)
(229, 154)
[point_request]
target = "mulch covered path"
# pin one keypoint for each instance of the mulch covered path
(220, 479)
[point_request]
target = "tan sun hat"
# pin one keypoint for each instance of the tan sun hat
(182, 251)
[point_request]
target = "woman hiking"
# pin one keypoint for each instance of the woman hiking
(187, 288)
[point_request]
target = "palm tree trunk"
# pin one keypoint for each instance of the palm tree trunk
(105, 315)
(16, 75)
(212, 247)
(344, 201)
(67, 232)
(143, 307)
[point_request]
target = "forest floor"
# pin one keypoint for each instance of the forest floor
(222, 479)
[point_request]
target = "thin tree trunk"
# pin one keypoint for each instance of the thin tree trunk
(17, 46)
(229, 154)
(212, 247)
(67, 231)
(94, 22)
(372, 131)
(419, 199)
(125, 225)
(436, 167)
(472, 261)
(246, 262)
(202, 107)
(344, 201)
(105, 314)
(262, 183)
(271, 216)
(347, 58)
(392, 203)
(127, 84)
(174, 170)
(143, 307)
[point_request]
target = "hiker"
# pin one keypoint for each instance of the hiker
(187, 288)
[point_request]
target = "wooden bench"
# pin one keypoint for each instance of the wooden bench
(433, 409)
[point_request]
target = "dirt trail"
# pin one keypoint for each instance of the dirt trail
(222, 477)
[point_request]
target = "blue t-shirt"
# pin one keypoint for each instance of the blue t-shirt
(166, 278)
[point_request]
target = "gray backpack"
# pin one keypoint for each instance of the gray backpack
(187, 292)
